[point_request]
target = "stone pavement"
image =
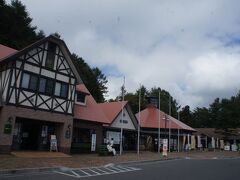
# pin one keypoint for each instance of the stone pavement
(89, 160)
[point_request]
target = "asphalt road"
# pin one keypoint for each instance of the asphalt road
(189, 169)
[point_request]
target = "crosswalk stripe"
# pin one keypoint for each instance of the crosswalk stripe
(85, 172)
(110, 169)
(119, 170)
(76, 174)
(95, 171)
(101, 170)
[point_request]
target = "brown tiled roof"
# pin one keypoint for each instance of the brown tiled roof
(91, 111)
(112, 109)
(149, 118)
(6, 51)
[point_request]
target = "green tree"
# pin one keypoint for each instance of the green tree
(16, 30)
(201, 117)
(94, 80)
(186, 116)
(165, 96)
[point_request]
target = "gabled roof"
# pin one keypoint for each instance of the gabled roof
(12, 56)
(91, 111)
(149, 118)
(82, 88)
(112, 109)
(6, 51)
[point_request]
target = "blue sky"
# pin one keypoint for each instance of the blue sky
(190, 47)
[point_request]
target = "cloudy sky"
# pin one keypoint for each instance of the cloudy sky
(190, 48)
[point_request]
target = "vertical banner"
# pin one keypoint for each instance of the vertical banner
(193, 143)
(93, 144)
(165, 147)
(199, 144)
(213, 143)
(184, 142)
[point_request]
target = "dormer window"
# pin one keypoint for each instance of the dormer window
(81, 98)
(50, 55)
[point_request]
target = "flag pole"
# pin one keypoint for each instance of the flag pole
(178, 131)
(121, 135)
(169, 124)
(139, 120)
(159, 121)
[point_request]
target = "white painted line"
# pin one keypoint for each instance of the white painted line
(133, 168)
(118, 170)
(102, 170)
(93, 171)
(85, 172)
(66, 174)
(75, 174)
(110, 164)
(110, 170)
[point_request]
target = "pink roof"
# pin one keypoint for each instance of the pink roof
(6, 51)
(82, 88)
(112, 109)
(149, 118)
(91, 111)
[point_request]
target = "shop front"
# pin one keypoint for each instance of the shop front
(32, 134)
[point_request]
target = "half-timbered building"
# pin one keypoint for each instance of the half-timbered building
(37, 96)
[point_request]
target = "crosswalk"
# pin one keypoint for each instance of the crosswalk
(95, 171)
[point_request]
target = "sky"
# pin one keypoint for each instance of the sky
(190, 48)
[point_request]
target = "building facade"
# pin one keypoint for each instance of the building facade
(37, 90)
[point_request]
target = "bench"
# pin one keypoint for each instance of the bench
(103, 151)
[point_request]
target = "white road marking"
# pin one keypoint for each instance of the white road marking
(96, 171)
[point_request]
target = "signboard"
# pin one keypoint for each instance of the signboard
(165, 147)
(53, 143)
(93, 142)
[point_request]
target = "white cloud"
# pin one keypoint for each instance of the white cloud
(177, 45)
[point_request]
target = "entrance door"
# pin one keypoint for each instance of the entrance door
(32, 135)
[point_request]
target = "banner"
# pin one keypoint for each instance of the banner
(165, 147)
(93, 142)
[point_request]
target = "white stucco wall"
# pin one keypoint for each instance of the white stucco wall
(129, 125)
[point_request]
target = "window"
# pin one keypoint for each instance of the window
(50, 55)
(61, 90)
(81, 97)
(57, 89)
(25, 80)
(123, 121)
(42, 85)
(64, 90)
(33, 82)
(49, 87)
(29, 81)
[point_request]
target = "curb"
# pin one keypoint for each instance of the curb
(27, 170)
(51, 169)
(148, 161)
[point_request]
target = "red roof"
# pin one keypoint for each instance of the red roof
(149, 118)
(91, 111)
(112, 109)
(6, 51)
(82, 88)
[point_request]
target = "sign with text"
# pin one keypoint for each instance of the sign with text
(165, 147)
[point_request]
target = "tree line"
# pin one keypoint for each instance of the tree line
(221, 114)
(17, 31)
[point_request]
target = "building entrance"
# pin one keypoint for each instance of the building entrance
(32, 134)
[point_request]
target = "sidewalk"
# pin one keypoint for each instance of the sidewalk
(89, 160)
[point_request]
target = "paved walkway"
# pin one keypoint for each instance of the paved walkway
(90, 160)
